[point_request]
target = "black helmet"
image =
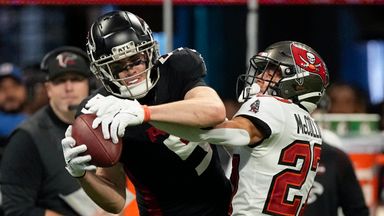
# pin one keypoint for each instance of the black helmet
(115, 36)
(304, 73)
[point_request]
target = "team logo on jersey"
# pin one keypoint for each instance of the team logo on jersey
(255, 106)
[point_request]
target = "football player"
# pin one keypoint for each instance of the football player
(172, 176)
(274, 142)
(276, 168)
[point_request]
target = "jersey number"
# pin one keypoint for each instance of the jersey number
(278, 202)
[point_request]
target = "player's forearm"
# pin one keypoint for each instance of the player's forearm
(103, 193)
(219, 136)
(188, 113)
(201, 108)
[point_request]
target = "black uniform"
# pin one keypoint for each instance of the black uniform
(335, 186)
(174, 177)
(32, 169)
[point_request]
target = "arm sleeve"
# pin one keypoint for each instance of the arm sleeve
(21, 173)
(352, 199)
(219, 136)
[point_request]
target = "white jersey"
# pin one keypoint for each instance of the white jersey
(276, 175)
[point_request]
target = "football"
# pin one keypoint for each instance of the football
(104, 152)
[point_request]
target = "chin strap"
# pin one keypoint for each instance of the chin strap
(308, 105)
(248, 92)
(138, 90)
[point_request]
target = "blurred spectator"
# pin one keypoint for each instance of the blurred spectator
(33, 176)
(336, 185)
(37, 94)
(13, 97)
(346, 98)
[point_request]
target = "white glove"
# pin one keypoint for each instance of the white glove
(101, 105)
(76, 165)
(115, 114)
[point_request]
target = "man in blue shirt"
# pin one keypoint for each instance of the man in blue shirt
(13, 96)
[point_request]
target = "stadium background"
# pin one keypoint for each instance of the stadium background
(349, 35)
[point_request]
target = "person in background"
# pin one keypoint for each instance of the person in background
(33, 178)
(13, 97)
(37, 94)
(346, 98)
(336, 185)
(172, 177)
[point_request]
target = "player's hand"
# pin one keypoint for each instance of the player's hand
(101, 105)
(76, 165)
(115, 114)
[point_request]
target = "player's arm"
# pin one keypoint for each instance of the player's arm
(236, 132)
(106, 187)
(241, 123)
(201, 107)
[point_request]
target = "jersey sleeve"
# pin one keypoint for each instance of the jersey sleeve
(187, 67)
(21, 174)
(265, 113)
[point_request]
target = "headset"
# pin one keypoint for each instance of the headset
(52, 54)
(93, 82)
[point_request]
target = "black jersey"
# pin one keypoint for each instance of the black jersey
(335, 186)
(173, 176)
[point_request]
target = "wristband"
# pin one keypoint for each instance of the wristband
(147, 113)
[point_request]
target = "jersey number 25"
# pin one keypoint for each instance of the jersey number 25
(277, 202)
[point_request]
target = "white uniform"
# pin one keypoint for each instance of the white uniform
(275, 176)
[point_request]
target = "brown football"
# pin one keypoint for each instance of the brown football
(104, 152)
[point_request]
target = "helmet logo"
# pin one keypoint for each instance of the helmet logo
(309, 61)
(124, 50)
(66, 59)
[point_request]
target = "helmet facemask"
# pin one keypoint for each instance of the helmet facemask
(260, 71)
(115, 38)
(106, 70)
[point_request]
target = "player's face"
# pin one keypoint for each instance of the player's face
(131, 70)
(268, 78)
(67, 91)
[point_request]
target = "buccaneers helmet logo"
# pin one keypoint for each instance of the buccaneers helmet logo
(309, 61)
